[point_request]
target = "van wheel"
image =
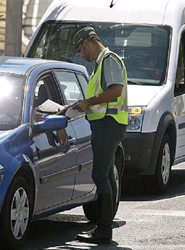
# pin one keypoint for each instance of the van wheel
(15, 215)
(90, 209)
(158, 183)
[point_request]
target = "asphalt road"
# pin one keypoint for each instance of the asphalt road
(143, 222)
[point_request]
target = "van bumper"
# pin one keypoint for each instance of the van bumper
(138, 149)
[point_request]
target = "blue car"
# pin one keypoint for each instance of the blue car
(39, 176)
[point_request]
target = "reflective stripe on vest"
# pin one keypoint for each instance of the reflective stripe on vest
(117, 108)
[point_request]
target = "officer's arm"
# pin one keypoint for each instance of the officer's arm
(108, 95)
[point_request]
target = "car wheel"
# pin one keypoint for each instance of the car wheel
(158, 183)
(16, 214)
(90, 209)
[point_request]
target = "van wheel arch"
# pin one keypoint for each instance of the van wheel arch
(165, 137)
(166, 125)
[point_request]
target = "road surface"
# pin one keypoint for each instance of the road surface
(143, 222)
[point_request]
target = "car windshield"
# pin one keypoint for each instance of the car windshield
(144, 49)
(11, 100)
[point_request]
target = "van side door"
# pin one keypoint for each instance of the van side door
(179, 100)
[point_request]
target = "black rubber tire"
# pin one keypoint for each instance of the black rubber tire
(90, 209)
(8, 239)
(158, 183)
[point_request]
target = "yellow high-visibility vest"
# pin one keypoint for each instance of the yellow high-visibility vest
(117, 108)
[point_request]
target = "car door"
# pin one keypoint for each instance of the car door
(73, 85)
(55, 163)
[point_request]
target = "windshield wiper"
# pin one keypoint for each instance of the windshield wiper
(133, 82)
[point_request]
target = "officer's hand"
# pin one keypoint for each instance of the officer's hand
(81, 106)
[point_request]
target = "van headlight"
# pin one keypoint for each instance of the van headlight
(135, 119)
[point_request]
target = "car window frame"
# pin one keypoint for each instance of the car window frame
(76, 73)
(39, 77)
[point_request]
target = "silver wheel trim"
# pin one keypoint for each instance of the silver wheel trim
(166, 164)
(19, 213)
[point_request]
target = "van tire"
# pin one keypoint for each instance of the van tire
(158, 183)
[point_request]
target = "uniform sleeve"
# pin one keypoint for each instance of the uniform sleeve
(113, 71)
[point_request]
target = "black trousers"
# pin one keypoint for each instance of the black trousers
(106, 135)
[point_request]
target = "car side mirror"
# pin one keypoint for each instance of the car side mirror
(51, 123)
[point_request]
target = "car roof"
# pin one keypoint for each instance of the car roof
(23, 66)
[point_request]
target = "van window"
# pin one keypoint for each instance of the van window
(143, 48)
(179, 82)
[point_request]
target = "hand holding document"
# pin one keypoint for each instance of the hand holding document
(82, 106)
(72, 113)
(52, 107)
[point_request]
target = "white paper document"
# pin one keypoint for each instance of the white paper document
(54, 108)
(72, 113)
(50, 106)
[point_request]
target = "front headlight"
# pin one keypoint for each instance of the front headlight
(135, 119)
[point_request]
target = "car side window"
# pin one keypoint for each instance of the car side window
(180, 82)
(83, 83)
(69, 86)
(47, 95)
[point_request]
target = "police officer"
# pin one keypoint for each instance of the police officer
(107, 113)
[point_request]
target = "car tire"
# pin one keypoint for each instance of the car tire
(90, 209)
(16, 213)
(158, 183)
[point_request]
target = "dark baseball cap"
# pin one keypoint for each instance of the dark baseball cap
(82, 34)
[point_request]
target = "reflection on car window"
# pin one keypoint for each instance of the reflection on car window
(83, 82)
(144, 49)
(69, 86)
(46, 94)
(11, 100)
(41, 94)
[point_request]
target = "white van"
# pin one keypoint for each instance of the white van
(150, 37)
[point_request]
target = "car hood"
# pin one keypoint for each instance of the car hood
(8, 134)
(140, 95)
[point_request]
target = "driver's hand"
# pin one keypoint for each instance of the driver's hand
(62, 136)
(39, 117)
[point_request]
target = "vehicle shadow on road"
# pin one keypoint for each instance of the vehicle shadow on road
(58, 233)
(132, 187)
